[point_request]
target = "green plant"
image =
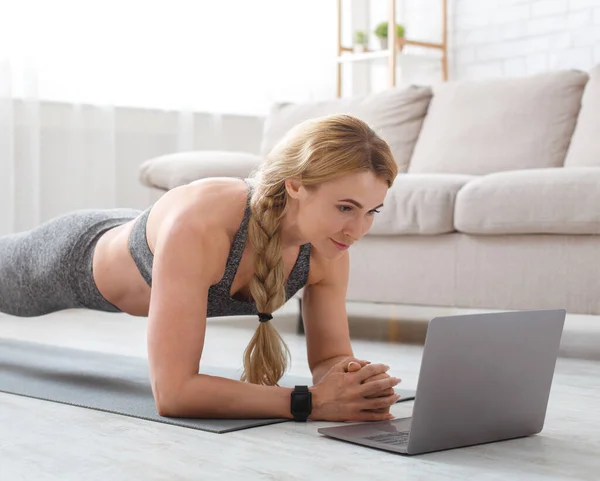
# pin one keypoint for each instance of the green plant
(360, 37)
(382, 30)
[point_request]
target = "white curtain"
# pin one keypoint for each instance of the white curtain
(90, 89)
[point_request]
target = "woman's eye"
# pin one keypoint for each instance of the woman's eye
(345, 208)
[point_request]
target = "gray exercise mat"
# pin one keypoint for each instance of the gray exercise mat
(107, 382)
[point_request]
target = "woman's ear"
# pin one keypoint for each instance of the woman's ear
(292, 186)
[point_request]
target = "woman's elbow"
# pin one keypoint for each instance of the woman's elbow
(169, 410)
(167, 401)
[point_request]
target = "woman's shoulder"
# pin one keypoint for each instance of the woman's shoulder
(215, 204)
(219, 202)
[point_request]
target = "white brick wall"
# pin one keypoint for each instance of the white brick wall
(492, 38)
(486, 38)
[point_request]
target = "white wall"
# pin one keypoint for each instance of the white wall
(486, 38)
(492, 38)
(231, 57)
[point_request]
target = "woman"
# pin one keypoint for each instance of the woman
(228, 246)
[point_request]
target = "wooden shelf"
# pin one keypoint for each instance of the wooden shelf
(381, 55)
(362, 56)
(395, 53)
(417, 43)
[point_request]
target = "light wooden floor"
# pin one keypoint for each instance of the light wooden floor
(47, 441)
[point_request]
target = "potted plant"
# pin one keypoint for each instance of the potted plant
(381, 32)
(361, 40)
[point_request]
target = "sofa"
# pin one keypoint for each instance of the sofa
(497, 203)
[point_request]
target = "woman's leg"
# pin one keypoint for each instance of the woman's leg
(49, 268)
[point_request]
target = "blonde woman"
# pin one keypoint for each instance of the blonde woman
(228, 246)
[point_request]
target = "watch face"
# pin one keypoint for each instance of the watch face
(301, 402)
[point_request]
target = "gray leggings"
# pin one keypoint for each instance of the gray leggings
(49, 268)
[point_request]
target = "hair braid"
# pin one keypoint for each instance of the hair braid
(266, 357)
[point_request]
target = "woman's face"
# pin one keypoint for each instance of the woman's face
(336, 214)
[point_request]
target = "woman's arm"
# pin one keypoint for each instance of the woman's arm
(326, 321)
(188, 259)
(325, 318)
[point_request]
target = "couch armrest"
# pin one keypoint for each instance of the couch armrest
(172, 170)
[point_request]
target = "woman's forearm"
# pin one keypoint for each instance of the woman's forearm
(205, 396)
(323, 368)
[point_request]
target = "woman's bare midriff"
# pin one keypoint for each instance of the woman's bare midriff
(116, 274)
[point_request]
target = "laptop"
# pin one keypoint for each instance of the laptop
(483, 378)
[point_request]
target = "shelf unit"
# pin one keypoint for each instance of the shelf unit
(395, 47)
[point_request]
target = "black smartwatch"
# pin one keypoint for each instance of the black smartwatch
(301, 403)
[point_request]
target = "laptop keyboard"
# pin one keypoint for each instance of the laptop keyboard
(397, 439)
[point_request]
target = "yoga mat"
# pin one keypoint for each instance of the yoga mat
(107, 382)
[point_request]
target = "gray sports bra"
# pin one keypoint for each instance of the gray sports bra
(220, 302)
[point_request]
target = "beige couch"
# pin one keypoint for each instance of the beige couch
(498, 201)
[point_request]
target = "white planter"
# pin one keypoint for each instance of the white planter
(383, 42)
(359, 48)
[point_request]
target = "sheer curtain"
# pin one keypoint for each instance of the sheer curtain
(89, 90)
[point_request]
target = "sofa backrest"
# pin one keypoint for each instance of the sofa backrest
(395, 114)
(584, 150)
(485, 126)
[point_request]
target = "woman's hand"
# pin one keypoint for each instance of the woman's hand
(356, 366)
(363, 394)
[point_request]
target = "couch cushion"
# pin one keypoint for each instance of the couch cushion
(585, 144)
(172, 170)
(395, 114)
(536, 201)
(485, 126)
(419, 204)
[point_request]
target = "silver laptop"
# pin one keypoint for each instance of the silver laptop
(483, 378)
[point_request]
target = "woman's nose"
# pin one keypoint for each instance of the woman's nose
(354, 231)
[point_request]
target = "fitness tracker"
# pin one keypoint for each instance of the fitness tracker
(301, 403)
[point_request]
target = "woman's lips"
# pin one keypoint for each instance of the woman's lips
(339, 245)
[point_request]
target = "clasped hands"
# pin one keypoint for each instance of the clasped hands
(354, 366)
(355, 390)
